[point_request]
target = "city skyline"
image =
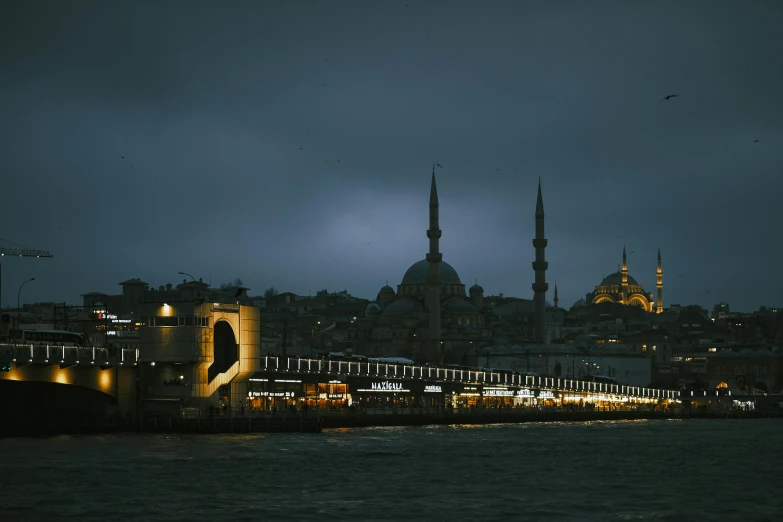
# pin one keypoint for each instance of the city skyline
(296, 153)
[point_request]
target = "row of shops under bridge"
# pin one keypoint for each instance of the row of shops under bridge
(283, 391)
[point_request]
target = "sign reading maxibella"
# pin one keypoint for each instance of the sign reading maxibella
(387, 386)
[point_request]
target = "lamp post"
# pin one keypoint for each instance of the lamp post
(190, 276)
(18, 298)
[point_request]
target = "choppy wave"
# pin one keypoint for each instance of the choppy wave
(624, 470)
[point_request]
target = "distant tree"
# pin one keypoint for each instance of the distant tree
(270, 292)
(232, 284)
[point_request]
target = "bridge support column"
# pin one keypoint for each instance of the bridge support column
(238, 396)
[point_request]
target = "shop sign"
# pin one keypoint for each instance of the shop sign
(387, 386)
(432, 389)
(498, 393)
(526, 393)
(334, 395)
(544, 394)
(269, 394)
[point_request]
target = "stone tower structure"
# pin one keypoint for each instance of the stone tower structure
(659, 285)
(433, 290)
(556, 300)
(539, 267)
(477, 296)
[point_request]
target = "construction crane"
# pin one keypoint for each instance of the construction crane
(18, 252)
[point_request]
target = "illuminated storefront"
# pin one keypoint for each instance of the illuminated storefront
(333, 394)
(466, 396)
(385, 393)
(497, 397)
(270, 393)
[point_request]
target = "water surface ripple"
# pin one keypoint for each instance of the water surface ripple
(624, 470)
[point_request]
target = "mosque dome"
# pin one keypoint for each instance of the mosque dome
(417, 274)
(387, 290)
(616, 279)
(402, 307)
(373, 307)
(476, 288)
(580, 303)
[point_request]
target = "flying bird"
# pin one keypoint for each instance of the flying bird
(755, 141)
(669, 97)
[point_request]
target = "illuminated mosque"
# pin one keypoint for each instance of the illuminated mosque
(621, 288)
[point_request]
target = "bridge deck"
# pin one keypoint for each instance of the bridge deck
(501, 379)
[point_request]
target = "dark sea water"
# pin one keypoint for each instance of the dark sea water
(647, 470)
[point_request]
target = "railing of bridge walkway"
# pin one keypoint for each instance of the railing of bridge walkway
(71, 355)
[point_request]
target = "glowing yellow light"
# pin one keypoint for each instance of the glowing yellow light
(105, 380)
(61, 377)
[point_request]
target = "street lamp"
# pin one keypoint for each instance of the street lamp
(18, 297)
(190, 276)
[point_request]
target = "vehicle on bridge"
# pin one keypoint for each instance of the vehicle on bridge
(55, 338)
(600, 378)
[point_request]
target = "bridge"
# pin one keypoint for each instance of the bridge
(488, 378)
(109, 371)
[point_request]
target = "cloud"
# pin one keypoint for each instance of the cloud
(291, 145)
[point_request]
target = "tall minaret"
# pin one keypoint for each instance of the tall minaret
(659, 284)
(556, 299)
(434, 257)
(624, 275)
(539, 267)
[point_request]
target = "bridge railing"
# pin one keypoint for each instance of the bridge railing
(406, 371)
(72, 355)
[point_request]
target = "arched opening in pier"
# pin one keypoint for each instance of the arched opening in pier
(224, 349)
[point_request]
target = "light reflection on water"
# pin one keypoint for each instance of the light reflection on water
(622, 470)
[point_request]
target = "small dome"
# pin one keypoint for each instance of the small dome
(476, 288)
(417, 274)
(387, 290)
(580, 303)
(461, 306)
(373, 307)
(403, 306)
